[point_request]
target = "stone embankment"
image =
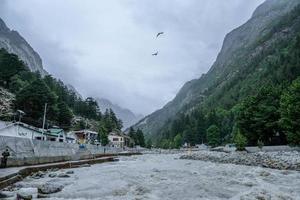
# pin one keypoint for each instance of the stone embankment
(276, 160)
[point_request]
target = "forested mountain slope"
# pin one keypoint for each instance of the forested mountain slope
(254, 55)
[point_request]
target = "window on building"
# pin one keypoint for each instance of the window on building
(115, 139)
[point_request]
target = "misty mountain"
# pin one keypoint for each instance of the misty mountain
(127, 116)
(232, 76)
(14, 43)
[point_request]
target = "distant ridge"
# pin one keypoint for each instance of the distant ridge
(126, 115)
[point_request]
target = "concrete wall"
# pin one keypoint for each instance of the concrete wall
(27, 151)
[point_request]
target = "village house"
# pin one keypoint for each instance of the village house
(119, 140)
(71, 138)
(55, 134)
(85, 136)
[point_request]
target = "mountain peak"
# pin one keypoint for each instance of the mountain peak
(14, 43)
(127, 116)
(3, 27)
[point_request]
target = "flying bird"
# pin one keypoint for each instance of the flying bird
(155, 54)
(158, 34)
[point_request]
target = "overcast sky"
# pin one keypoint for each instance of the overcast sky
(103, 47)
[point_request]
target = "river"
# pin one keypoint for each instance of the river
(167, 177)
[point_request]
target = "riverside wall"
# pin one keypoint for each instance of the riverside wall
(31, 152)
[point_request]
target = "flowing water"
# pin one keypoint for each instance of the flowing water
(167, 177)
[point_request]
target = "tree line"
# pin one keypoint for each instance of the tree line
(32, 91)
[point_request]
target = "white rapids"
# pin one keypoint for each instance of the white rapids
(169, 178)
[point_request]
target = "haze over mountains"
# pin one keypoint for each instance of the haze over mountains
(128, 117)
(14, 43)
(241, 46)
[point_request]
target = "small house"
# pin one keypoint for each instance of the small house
(119, 140)
(55, 134)
(86, 136)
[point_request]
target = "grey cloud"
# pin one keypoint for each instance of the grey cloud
(104, 47)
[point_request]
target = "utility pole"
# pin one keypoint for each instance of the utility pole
(44, 119)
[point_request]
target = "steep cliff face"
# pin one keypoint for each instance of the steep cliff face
(240, 47)
(6, 107)
(127, 116)
(14, 43)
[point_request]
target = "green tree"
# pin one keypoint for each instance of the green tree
(103, 135)
(290, 112)
(16, 84)
(132, 135)
(149, 144)
(10, 65)
(258, 116)
(240, 141)
(177, 141)
(140, 138)
(213, 135)
(65, 115)
(32, 99)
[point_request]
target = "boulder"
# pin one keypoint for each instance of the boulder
(6, 194)
(49, 188)
(52, 175)
(63, 175)
(24, 196)
(70, 172)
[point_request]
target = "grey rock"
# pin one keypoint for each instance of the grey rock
(23, 196)
(63, 175)
(49, 188)
(6, 194)
(52, 175)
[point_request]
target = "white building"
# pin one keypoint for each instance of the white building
(85, 136)
(19, 129)
(71, 138)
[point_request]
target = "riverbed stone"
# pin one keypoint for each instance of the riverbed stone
(24, 196)
(275, 160)
(63, 175)
(5, 194)
(52, 175)
(49, 188)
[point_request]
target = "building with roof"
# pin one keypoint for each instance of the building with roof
(55, 134)
(71, 138)
(85, 136)
(22, 130)
(119, 140)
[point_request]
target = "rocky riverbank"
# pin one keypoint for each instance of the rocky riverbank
(275, 160)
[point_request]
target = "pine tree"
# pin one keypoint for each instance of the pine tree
(65, 115)
(290, 113)
(213, 135)
(32, 99)
(102, 134)
(140, 138)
